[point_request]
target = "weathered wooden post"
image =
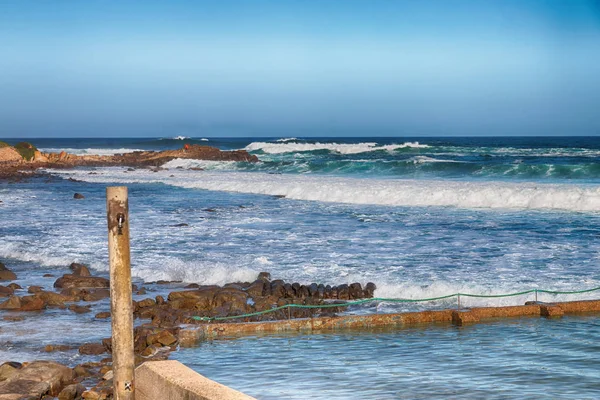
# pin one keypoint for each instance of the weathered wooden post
(117, 212)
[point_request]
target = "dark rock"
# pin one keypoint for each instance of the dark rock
(256, 289)
(79, 269)
(14, 286)
(102, 315)
(296, 287)
(313, 290)
(78, 196)
(302, 292)
(74, 281)
(48, 276)
(355, 291)
(278, 288)
(54, 299)
(92, 349)
(289, 291)
(343, 292)
(264, 276)
(369, 290)
(141, 292)
(180, 225)
(327, 294)
(321, 291)
(160, 300)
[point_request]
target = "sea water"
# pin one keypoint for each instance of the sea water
(419, 217)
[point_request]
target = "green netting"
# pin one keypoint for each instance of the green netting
(386, 300)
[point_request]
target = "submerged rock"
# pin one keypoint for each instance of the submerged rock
(75, 281)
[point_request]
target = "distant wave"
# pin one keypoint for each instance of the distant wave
(284, 140)
(411, 193)
(341, 148)
(180, 137)
(90, 151)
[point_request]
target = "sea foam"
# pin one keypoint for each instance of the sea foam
(341, 148)
(389, 192)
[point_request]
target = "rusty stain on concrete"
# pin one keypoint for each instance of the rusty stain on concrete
(193, 334)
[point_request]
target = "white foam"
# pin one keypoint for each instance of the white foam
(283, 140)
(341, 148)
(417, 193)
(425, 159)
(204, 140)
(180, 138)
(203, 273)
(90, 151)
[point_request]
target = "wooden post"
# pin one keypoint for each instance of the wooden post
(117, 212)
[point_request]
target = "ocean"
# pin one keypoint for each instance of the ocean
(419, 217)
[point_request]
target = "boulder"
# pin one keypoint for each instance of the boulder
(13, 303)
(231, 301)
(32, 303)
(74, 281)
(8, 370)
(34, 289)
(92, 349)
(14, 286)
(146, 303)
(37, 379)
(256, 288)
(79, 269)
(79, 309)
(6, 291)
(7, 275)
(355, 291)
(71, 392)
(343, 292)
(278, 288)
(95, 294)
(163, 337)
(102, 315)
(369, 290)
(54, 299)
(78, 196)
(264, 276)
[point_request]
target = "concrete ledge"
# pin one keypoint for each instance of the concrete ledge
(171, 380)
(194, 334)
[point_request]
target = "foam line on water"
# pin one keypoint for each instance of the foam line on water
(341, 148)
(401, 192)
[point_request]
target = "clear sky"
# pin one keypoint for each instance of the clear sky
(447, 67)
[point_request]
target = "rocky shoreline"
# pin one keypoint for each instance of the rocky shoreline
(24, 159)
(158, 320)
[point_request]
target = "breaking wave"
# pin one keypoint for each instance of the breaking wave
(391, 192)
(341, 148)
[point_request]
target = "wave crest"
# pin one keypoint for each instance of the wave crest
(341, 148)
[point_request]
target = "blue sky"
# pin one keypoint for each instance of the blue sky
(447, 67)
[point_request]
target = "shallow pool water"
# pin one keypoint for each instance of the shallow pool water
(528, 358)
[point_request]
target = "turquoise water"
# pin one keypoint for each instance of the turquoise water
(444, 215)
(529, 358)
